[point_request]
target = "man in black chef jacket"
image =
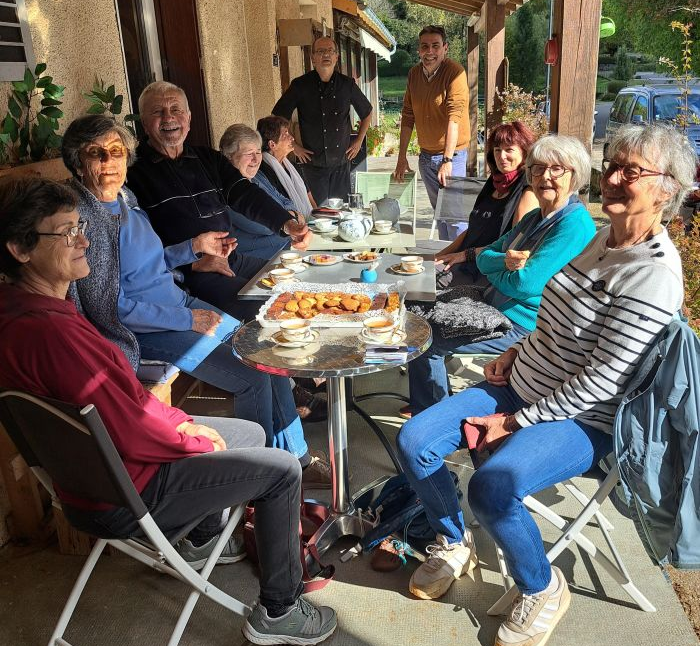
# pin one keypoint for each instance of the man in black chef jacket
(323, 98)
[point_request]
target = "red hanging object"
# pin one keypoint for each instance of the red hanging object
(551, 51)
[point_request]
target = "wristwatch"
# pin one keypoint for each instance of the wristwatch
(446, 160)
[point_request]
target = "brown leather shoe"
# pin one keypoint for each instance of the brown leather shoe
(317, 475)
(405, 412)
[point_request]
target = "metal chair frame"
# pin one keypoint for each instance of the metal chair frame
(155, 551)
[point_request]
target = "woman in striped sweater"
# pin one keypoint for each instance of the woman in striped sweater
(551, 398)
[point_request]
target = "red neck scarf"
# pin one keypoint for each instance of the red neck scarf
(503, 181)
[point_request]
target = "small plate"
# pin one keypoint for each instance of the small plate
(350, 257)
(281, 340)
(331, 259)
(382, 233)
(399, 336)
(398, 269)
(268, 284)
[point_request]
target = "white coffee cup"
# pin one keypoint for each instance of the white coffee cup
(283, 275)
(323, 225)
(411, 263)
(291, 259)
(295, 329)
(383, 226)
(379, 328)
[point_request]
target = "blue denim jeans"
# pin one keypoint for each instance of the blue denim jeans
(255, 239)
(427, 375)
(530, 460)
(259, 397)
(429, 165)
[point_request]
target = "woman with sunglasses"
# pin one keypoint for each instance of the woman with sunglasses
(548, 403)
(131, 297)
(518, 265)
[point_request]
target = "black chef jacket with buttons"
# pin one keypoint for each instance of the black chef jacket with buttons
(324, 114)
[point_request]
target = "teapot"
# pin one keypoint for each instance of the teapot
(354, 227)
(387, 208)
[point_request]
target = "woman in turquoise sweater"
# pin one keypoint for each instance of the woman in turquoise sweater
(519, 264)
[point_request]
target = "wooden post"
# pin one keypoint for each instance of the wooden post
(473, 83)
(494, 61)
(576, 25)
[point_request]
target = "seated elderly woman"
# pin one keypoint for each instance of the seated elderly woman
(502, 203)
(519, 264)
(242, 146)
(277, 143)
(550, 400)
(131, 297)
(50, 350)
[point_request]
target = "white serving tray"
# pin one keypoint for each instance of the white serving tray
(338, 320)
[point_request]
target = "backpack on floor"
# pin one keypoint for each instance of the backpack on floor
(397, 510)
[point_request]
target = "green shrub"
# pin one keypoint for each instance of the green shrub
(615, 86)
(624, 65)
(607, 97)
(606, 60)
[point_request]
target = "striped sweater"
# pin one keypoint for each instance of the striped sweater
(597, 317)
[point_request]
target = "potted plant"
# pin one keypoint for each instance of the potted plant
(29, 139)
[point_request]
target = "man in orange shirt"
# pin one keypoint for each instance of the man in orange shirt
(436, 102)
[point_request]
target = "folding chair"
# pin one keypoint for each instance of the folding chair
(71, 447)
(571, 532)
(455, 200)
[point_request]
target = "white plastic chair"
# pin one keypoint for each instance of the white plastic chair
(571, 532)
(72, 448)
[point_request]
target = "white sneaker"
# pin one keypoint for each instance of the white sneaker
(445, 564)
(534, 616)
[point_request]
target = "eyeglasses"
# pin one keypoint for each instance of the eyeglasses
(629, 172)
(326, 51)
(72, 234)
(98, 152)
(555, 172)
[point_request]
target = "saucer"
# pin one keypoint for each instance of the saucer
(397, 337)
(279, 339)
(382, 233)
(296, 269)
(398, 269)
(350, 257)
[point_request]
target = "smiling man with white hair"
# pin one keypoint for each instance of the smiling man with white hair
(187, 190)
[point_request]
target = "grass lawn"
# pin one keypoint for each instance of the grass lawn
(392, 86)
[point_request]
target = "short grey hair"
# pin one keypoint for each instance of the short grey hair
(563, 150)
(236, 136)
(668, 151)
(84, 130)
(160, 88)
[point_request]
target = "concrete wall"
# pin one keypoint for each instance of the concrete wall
(77, 40)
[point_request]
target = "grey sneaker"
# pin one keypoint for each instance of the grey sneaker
(303, 624)
(234, 551)
(534, 616)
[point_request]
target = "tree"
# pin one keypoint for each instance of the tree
(624, 65)
(526, 34)
(643, 26)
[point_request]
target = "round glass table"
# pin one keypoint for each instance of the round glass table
(338, 353)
